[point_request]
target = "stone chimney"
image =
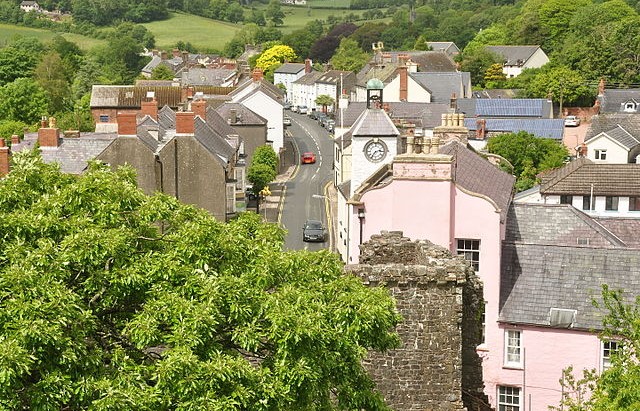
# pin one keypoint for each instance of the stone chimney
(154, 52)
(404, 81)
(127, 124)
(163, 55)
(257, 74)
(452, 128)
(601, 85)
(175, 53)
(184, 122)
(4, 158)
(233, 116)
(481, 128)
(15, 139)
(48, 134)
(453, 103)
(199, 108)
(149, 108)
(185, 57)
(307, 65)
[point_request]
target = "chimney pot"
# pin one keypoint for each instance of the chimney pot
(5, 156)
(150, 108)
(257, 74)
(233, 116)
(49, 134)
(15, 139)
(185, 122)
(307, 65)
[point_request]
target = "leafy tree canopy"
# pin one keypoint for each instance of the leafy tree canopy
(23, 100)
(162, 72)
(349, 56)
(117, 300)
(528, 154)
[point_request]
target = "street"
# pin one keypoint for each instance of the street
(304, 192)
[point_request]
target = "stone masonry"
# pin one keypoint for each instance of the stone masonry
(440, 299)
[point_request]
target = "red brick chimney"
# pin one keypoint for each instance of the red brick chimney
(127, 124)
(307, 65)
(4, 158)
(257, 74)
(481, 128)
(163, 55)
(149, 108)
(404, 83)
(48, 134)
(184, 122)
(199, 108)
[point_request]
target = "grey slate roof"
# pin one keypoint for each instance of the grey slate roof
(496, 93)
(333, 76)
(539, 127)
(167, 118)
(626, 229)
(536, 278)
(219, 124)
(374, 122)
(623, 137)
(442, 85)
(73, 153)
(604, 123)
(155, 61)
(426, 115)
(213, 142)
(613, 100)
(577, 178)
(514, 55)
(207, 76)
(309, 78)
(446, 46)
(260, 85)
(245, 115)
(290, 68)
(505, 108)
(384, 73)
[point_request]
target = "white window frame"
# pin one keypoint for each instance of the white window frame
(510, 349)
(509, 398)
(611, 203)
(601, 154)
(607, 348)
(469, 252)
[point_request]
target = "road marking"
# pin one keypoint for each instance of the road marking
(327, 210)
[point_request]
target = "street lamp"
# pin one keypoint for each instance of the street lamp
(361, 218)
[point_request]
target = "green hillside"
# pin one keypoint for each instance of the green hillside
(9, 32)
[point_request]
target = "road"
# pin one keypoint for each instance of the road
(304, 196)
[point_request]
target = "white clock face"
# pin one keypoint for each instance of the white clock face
(375, 151)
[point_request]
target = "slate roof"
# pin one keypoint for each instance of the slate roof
(474, 173)
(514, 55)
(443, 46)
(207, 76)
(539, 127)
(309, 78)
(613, 100)
(374, 122)
(626, 229)
(344, 139)
(442, 86)
(108, 96)
(261, 85)
(213, 142)
(505, 108)
(426, 115)
(290, 68)
(167, 118)
(332, 76)
(73, 153)
(577, 178)
(153, 63)
(537, 277)
(245, 115)
(604, 123)
(496, 93)
(384, 73)
(621, 136)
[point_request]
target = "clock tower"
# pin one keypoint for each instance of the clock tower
(374, 137)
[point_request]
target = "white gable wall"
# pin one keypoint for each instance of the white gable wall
(537, 60)
(271, 110)
(616, 154)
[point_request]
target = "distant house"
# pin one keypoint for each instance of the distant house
(311, 85)
(287, 73)
(447, 47)
(221, 77)
(625, 101)
(618, 142)
(28, 6)
(518, 58)
(180, 61)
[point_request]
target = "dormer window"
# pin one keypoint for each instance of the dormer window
(630, 107)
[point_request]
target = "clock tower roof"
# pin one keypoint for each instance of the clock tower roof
(374, 123)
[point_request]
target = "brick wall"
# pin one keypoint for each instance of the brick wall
(439, 297)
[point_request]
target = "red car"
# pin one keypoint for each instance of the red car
(308, 158)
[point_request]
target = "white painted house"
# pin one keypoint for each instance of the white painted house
(287, 73)
(518, 58)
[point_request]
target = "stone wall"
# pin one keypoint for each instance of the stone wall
(439, 297)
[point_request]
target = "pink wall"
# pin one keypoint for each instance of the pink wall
(547, 352)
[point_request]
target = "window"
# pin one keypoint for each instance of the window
(629, 107)
(634, 203)
(231, 198)
(512, 348)
(611, 204)
(508, 399)
(104, 118)
(601, 154)
(566, 199)
(586, 203)
(608, 348)
(470, 249)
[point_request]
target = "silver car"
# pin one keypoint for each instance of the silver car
(313, 230)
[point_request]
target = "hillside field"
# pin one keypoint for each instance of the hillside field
(9, 32)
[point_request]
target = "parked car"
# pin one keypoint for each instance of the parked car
(571, 121)
(331, 126)
(308, 158)
(294, 109)
(286, 120)
(313, 230)
(325, 120)
(320, 117)
(302, 109)
(287, 106)
(312, 113)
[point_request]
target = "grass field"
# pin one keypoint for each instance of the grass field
(9, 32)
(201, 32)
(297, 17)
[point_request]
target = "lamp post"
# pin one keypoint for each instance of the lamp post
(361, 218)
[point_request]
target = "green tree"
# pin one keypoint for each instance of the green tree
(23, 100)
(273, 57)
(11, 127)
(324, 100)
(123, 301)
(162, 72)
(349, 56)
(266, 155)
(477, 62)
(15, 63)
(561, 83)
(50, 73)
(528, 154)
(79, 118)
(421, 44)
(494, 77)
(274, 13)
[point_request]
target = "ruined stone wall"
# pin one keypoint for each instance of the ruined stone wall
(439, 298)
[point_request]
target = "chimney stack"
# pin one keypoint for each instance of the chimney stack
(184, 122)
(49, 135)
(233, 116)
(185, 56)
(127, 124)
(163, 55)
(199, 108)
(404, 81)
(307, 65)
(175, 53)
(15, 139)
(453, 104)
(4, 158)
(150, 108)
(257, 74)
